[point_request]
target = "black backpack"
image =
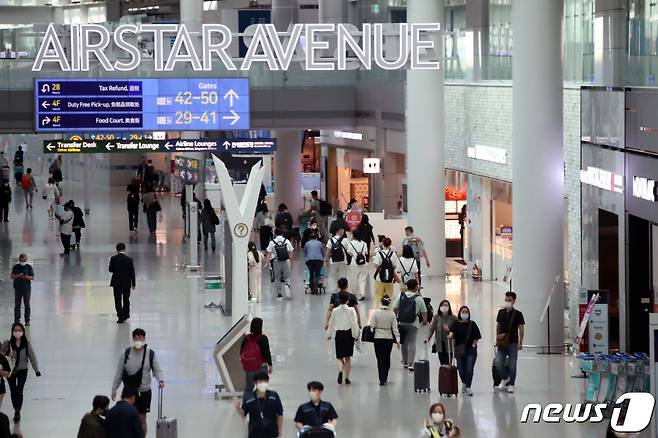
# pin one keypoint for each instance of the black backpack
(385, 271)
(360, 258)
(407, 309)
(337, 250)
(325, 208)
(281, 250)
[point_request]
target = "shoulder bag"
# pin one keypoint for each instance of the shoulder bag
(502, 339)
(460, 350)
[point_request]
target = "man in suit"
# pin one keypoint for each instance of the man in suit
(123, 279)
(122, 421)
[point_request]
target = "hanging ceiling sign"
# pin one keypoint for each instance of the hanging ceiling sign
(389, 46)
(256, 146)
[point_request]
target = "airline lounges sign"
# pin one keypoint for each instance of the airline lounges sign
(387, 46)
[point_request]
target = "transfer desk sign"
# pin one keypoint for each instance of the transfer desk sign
(255, 146)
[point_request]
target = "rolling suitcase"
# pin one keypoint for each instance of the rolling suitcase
(165, 427)
(422, 374)
(448, 384)
(494, 370)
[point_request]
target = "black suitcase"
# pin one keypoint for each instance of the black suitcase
(422, 374)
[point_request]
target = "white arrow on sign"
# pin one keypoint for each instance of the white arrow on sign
(230, 95)
(234, 117)
(45, 120)
(226, 144)
(168, 145)
(50, 147)
(45, 88)
(45, 104)
(109, 146)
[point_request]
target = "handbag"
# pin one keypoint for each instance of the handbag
(367, 334)
(460, 350)
(502, 339)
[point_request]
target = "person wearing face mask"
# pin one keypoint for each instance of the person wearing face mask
(22, 274)
(5, 200)
(19, 352)
(441, 327)
(312, 229)
(93, 423)
(510, 328)
(466, 335)
(315, 415)
(438, 426)
(384, 325)
(264, 409)
(134, 370)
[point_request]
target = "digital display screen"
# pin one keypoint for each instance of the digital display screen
(187, 169)
(189, 104)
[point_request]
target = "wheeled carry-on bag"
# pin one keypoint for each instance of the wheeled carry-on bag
(495, 375)
(422, 374)
(165, 427)
(448, 384)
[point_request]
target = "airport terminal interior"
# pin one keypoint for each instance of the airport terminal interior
(228, 162)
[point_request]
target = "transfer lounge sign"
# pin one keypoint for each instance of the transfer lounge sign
(256, 146)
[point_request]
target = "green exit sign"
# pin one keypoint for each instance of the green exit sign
(375, 8)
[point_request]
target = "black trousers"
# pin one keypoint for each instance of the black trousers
(22, 296)
(383, 348)
(315, 272)
(122, 302)
(4, 212)
(444, 358)
(78, 235)
(265, 236)
(16, 385)
(66, 242)
(133, 217)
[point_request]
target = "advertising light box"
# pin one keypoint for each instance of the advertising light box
(190, 104)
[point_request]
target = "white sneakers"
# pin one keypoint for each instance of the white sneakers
(503, 384)
(510, 389)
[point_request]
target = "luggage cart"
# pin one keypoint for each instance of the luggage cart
(307, 282)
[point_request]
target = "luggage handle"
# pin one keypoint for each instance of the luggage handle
(451, 350)
(160, 392)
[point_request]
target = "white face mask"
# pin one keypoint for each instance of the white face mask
(437, 417)
(262, 387)
(508, 304)
(22, 263)
(138, 344)
(444, 309)
(18, 335)
(464, 316)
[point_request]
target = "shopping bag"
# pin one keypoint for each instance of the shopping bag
(73, 241)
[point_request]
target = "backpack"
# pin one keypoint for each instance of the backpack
(25, 182)
(406, 274)
(360, 258)
(407, 309)
(385, 271)
(251, 357)
(337, 250)
(325, 208)
(215, 218)
(281, 250)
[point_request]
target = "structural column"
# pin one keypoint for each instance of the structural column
(284, 12)
(425, 144)
(288, 171)
(609, 41)
(191, 14)
(477, 39)
(538, 169)
(332, 11)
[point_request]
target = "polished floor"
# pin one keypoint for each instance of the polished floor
(78, 342)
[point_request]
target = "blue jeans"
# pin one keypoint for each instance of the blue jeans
(501, 355)
(466, 364)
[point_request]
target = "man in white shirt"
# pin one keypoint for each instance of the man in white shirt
(65, 228)
(336, 258)
(358, 249)
(280, 251)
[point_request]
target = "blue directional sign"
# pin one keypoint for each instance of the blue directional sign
(104, 105)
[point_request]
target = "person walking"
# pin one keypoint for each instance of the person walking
(22, 274)
(255, 353)
(5, 200)
(29, 186)
(417, 246)
(339, 223)
(466, 335)
(151, 208)
(134, 370)
(384, 326)
(314, 257)
(51, 195)
(265, 225)
(336, 257)
(264, 409)
(385, 261)
(365, 230)
(440, 327)
(132, 204)
(123, 420)
(209, 222)
(316, 413)
(65, 228)
(320, 211)
(78, 222)
(280, 251)
(359, 264)
(334, 301)
(407, 269)
(19, 156)
(510, 329)
(283, 220)
(312, 229)
(255, 271)
(344, 328)
(93, 423)
(55, 170)
(437, 426)
(408, 306)
(18, 351)
(5, 372)
(123, 280)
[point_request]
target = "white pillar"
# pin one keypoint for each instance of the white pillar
(284, 12)
(477, 38)
(538, 169)
(332, 11)
(288, 171)
(425, 145)
(191, 14)
(609, 41)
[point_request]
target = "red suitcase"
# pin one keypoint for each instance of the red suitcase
(448, 383)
